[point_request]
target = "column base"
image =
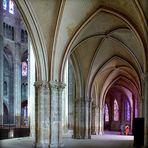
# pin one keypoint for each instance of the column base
(101, 133)
(56, 145)
(81, 137)
(94, 133)
(88, 137)
(42, 145)
(76, 137)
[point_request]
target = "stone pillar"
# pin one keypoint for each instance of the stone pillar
(82, 118)
(93, 120)
(95, 117)
(141, 106)
(145, 79)
(1, 80)
(56, 114)
(101, 120)
(42, 114)
(31, 91)
(87, 119)
(77, 121)
(17, 86)
(1, 64)
(65, 102)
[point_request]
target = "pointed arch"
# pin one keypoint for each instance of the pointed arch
(36, 38)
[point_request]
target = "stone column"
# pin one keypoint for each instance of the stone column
(17, 86)
(42, 114)
(1, 80)
(96, 119)
(141, 106)
(145, 79)
(65, 102)
(56, 114)
(1, 64)
(82, 118)
(101, 120)
(87, 119)
(93, 120)
(77, 117)
(31, 90)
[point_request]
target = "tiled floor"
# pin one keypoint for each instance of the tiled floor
(104, 141)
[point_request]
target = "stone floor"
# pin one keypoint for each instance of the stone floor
(100, 141)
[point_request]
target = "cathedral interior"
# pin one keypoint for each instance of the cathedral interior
(73, 67)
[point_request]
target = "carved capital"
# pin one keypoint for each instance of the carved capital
(57, 85)
(41, 84)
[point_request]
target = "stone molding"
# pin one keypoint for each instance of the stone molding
(40, 84)
(51, 84)
(57, 85)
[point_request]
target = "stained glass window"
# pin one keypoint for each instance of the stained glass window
(11, 6)
(106, 113)
(24, 69)
(4, 4)
(127, 108)
(116, 110)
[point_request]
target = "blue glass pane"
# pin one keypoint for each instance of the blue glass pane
(127, 111)
(5, 4)
(11, 6)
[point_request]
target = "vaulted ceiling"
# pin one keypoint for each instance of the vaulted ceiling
(108, 38)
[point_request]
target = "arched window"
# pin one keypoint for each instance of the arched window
(106, 113)
(5, 88)
(24, 69)
(22, 36)
(11, 6)
(4, 4)
(116, 110)
(127, 110)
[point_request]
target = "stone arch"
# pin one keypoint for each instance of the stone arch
(134, 101)
(122, 70)
(77, 131)
(36, 39)
(77, 75)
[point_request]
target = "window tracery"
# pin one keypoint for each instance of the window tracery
(116, 110)
(11, 6)
(127, 110)
(106, 111)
